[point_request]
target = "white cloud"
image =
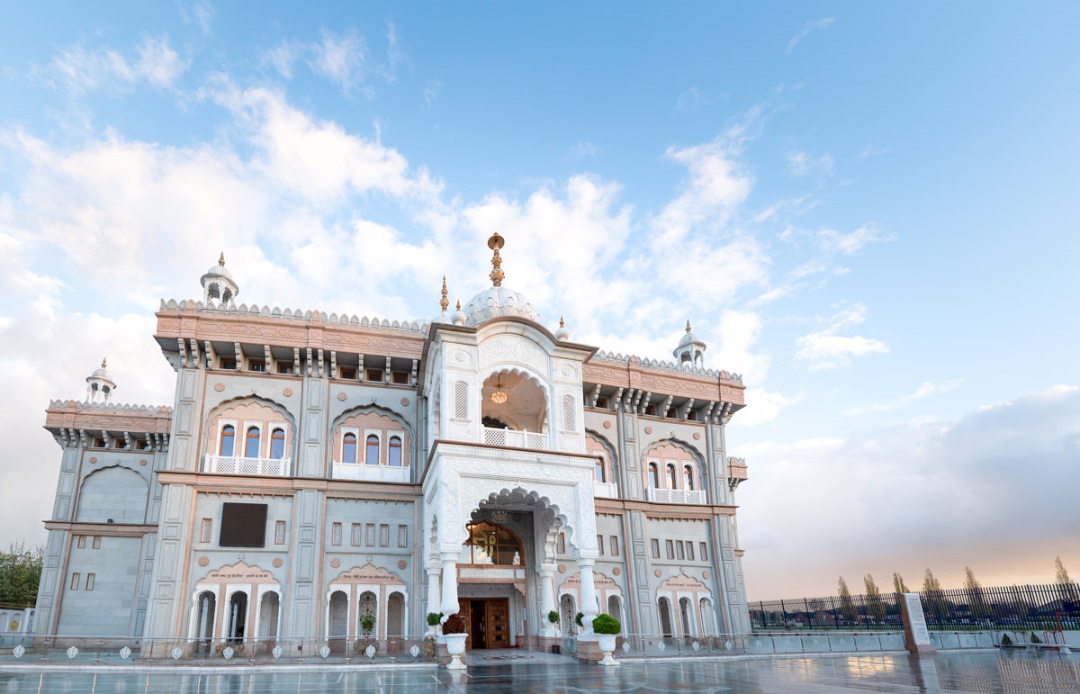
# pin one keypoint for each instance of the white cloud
(762, 406)
(826, 349)
(341, 59)
(83, 70)
(925, 389)
(850, 243)
(431, 92)
(823, 23)
(694, 98)
(200, 12)
(801, 163)
(582, 150)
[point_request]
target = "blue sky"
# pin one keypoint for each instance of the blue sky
(867, 209)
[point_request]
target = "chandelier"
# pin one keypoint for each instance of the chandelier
(499, 396)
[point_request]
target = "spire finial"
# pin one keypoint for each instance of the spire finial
(444, 302)
(459, 304)
(687, 325)
(497, 275)
(103, 362)
(562, 323)
(221, 259)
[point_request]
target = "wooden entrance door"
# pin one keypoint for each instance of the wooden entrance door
(497, 618)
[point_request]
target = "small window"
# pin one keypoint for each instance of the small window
(704, 551)
(395, 451)
(372, 455)
(277, 444)
(99, 443)
(142, 445)
(97, 541)
(348, 448)
(601, 403)
(356, 534)
(654, 476)
(690, 551)
(228, 438)
(279, 532)
(680, 552)
(76, 579)
(243, 525)
(284, 367)
(670, 546)
(614, 545)
(403, 536)
(400, 378)
(369, 535)
(228, 364)
(655, 548)
(258, 366)
(461, 400)
(251, 442)
(560, 544)
(569, 420)
(600, 544)
(81, 542)
(90, 580)
(374, 375)
(384, 535)
(672, 479)
(335, 534)
(598, 471)
(120, 443)
(348, 373)
(650, 410)
(688, 478)
(206, 532)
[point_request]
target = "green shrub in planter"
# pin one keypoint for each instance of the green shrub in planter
(577, 619)
(367, 623)
(553, 617)
(606, 624)
(434, 618)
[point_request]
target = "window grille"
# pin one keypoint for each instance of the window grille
(356, 537)
(403, 536)
(461, 400)
(279, 533)
(614, 546)
(76, 579)
(670, 546)
(600, 544)
(690, 551)
(568, 420)
(656, 548)
(97, 542)
(680, 552)
(335, 534)
(81, 542)
(206, 533)
(560, 544)
(384, 535)
(704, 551)
(369, 533)
(90, 579)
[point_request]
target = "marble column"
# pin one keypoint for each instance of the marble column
(434, 597)
(588, 593)
(547, 598)
(449, 585)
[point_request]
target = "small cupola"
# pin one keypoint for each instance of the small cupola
(218, 284)
(691, 350)
(99, 385)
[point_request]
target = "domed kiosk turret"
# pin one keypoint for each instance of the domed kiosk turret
(100, 385)
(218, 284)
(690, 351)
(497, 300)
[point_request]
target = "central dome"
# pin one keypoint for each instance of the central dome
(496, 302)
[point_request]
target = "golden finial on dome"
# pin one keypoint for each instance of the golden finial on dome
(562, 324)
(103, 362)
(459, 304)
(687, 325)
(497, 275)
(444, 302)
(221, 260)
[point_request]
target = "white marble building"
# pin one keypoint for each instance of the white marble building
(316, 469)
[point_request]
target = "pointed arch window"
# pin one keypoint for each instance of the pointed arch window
(688, 478)
(251, 443)
(228, 441)
(372, 454)
(395, 451)
(277, 444)
(654, 476)
(348, 448)
(672, 478)
(599, 471)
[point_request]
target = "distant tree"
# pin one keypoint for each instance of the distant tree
(847, 607)
(930, 584)
(1067, 590)
(20, 573)
(933, 596)
(898, 583)
(976, 601)
(1061, 574)
(874, 605)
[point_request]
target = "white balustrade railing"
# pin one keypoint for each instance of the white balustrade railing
(515, 438)
(607, 490)
(677, 496)
(260, 467)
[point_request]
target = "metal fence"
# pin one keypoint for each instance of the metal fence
(1053, 607)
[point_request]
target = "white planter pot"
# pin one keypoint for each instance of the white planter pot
(607, 647)
(455, 646)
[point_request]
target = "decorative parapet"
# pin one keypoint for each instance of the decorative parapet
(736, 471)
(72, 423)
(297, 314)
(112, 407)
(669, 366)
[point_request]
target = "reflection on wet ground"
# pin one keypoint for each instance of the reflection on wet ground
(521, 671)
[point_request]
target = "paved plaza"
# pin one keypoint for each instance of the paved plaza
(522, 671)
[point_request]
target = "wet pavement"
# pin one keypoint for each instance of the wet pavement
(1021, 672)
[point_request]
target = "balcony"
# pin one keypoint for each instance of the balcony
(677, 496)
(360, 472)
(255, 467)
(608, 490)
(515, 439)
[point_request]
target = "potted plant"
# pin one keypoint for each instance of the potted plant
(553, 617)
(367, 625)
(434, 620)
(606, 628)
(454, 635)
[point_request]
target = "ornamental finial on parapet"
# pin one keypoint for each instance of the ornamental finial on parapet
(497, 275)
(444, 302)
(221, 260)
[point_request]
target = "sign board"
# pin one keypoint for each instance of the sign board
(916, 635)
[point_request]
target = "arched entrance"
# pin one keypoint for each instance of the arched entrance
(206, 607)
